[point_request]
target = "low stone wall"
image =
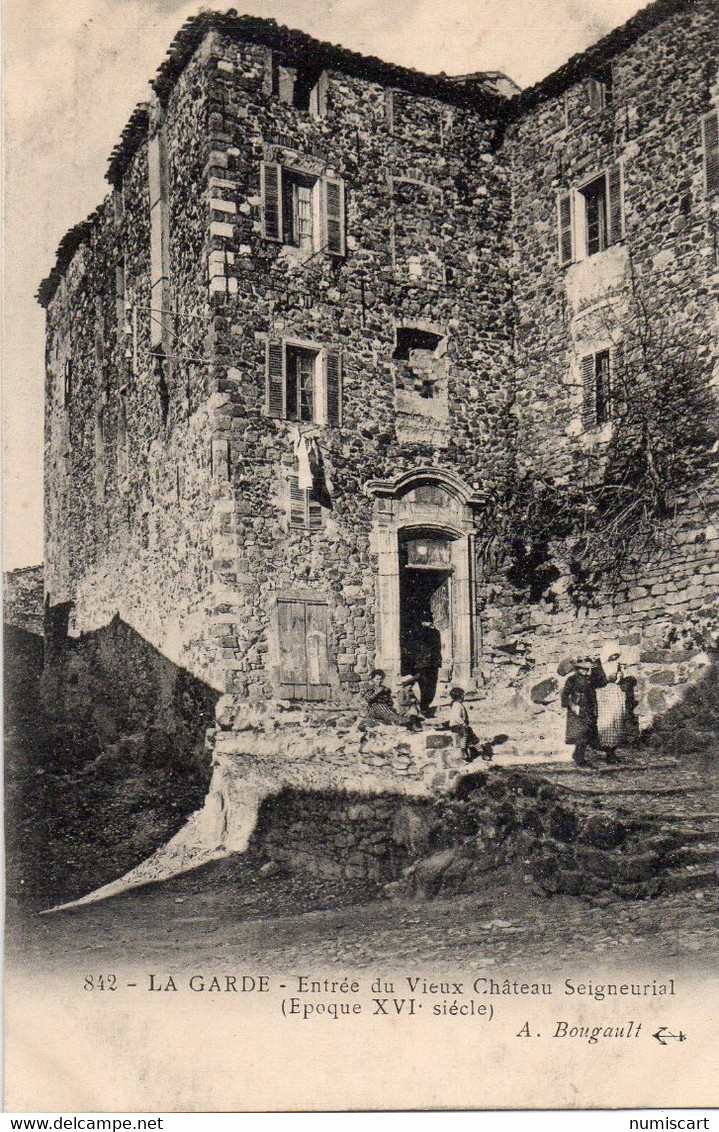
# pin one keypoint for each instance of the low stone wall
(563, 842)
(330, 835)
(331, 746)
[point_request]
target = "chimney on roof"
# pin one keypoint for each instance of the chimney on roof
(493, 81)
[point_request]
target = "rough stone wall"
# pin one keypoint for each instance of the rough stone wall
(23, 599)
(168, 494)
(662, 84)
(665, 615)
(353, 303)
(563, 842)
(129, 517)
(665, 619)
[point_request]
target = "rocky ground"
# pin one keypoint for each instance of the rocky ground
(231, 913)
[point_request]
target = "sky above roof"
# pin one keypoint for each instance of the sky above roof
(75, 69)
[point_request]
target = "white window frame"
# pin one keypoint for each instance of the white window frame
(578, 212)
(320, 393)
(320, 216)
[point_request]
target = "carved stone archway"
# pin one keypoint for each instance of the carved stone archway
(437, 503)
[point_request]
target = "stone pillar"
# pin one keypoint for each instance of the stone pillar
(387, 621)
(461, 612)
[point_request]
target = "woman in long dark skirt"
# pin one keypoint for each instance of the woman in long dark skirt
(580, 700)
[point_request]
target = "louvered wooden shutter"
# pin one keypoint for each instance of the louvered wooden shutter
(275, 379)
(271, 179)
(333, 386)
(564, 217)
(334, 215)
(589, 392)
(615, 210)
(710, 138)
(314, 515)
(298, 503)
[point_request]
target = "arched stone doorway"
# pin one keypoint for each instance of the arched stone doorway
(423, 534)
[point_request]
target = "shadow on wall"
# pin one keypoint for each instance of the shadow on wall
(111, 685)
(105, 757)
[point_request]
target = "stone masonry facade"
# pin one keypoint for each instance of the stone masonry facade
(328, 307)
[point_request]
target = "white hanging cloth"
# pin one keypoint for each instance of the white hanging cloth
(305, 478)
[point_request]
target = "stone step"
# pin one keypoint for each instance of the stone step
(689, 878)
(697, 854)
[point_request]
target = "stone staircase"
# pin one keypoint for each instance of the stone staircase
(669, 808)
(521, 732)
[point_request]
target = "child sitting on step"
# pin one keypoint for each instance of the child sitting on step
(408, 704)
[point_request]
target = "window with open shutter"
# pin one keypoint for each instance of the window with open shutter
(333, 386)
(710, 142)
(617, 378)
(275, 379)
(271, 182)
(564, 217)
(589, 403)
(615, 207)
(598, 386)
(602, 387)
(303, 648)
(317, 103)
(334, 215)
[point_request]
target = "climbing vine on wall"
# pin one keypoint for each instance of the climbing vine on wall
(658, 446)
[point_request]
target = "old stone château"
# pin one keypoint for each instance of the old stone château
(328, 309)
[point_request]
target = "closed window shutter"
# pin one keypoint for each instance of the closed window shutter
(298, 503)
(564, 217)
(710, 132)
(314, 515)
(303, 640)
(275, 379)
(589, 392)
(293, 648)
(334, 210)
(271, 180)
(615, 208)
(318, 98)
(316, 629)
(595, 94)
(333, 386)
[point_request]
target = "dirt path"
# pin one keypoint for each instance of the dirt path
(229, 914)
